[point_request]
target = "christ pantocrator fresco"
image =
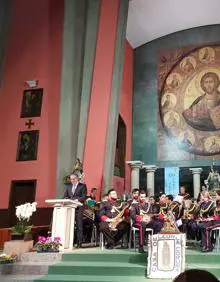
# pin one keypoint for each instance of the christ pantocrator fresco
(190, 102)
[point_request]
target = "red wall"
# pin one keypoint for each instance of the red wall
(119, 184)
(100, 97)
(126, 106)
(33, 51)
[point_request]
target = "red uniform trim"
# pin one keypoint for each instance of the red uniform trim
(104, 217)
(138, 218)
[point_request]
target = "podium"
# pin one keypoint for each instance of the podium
(63, 221)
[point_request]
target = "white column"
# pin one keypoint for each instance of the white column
(135, 173)
(150, 170)
(196, 180)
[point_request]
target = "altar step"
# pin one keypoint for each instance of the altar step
(31, 267)
(102, 266)
(19, 278)
(88, 265)
(117, 265)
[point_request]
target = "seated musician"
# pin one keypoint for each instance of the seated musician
(189, 218)
(163, 204)
(90, 216)
(113, 225)
(205, 211)
(217, 208)
(184, 193)
(213, 222)
(201, 194)
(154, 206)
(134, 196)
(92, 195)
(142, 219)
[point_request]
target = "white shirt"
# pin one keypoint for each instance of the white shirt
(74, 188)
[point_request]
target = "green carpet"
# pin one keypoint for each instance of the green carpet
(118, 266)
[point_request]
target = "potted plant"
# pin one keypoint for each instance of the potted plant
(4, 258)
(48, 244)
(23, 214)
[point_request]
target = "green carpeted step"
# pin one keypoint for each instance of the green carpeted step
(98, 268)
(200, 257)
(191, 256)
(119, 266)
(82, 278)
(211, 267)
(106, 257)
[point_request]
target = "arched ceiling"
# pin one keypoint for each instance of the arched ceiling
(151, 19)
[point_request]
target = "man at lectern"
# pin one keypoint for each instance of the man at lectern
(77, 191)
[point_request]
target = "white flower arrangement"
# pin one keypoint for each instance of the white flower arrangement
(23, 213)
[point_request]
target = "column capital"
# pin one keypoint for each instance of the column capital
(196, 170)
(135, 164)
(150, 168)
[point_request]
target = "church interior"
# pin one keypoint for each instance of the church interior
(118, 96)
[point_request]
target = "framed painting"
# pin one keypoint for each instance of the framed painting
(27, 145)
(32, 103)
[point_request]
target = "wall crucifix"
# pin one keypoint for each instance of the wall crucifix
(29, 124)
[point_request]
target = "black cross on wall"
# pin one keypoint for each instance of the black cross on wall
(29, 123)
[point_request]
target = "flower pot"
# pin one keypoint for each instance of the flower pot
(48, 251)
(28, 236)
(17, 236)
(6, 261)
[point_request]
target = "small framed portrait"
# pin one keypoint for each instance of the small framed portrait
(27, 145)
(32, 103)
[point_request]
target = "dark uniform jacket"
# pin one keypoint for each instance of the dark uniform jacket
(110, 209)
(137, 210)
(206, 209)
(192, 212)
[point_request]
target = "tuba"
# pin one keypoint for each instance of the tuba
(117, 219)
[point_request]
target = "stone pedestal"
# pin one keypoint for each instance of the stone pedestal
(135, 173)
(196, 180)
(18, 246)
(150, 170)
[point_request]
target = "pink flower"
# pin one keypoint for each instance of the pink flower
(49, 239)
(41, 239)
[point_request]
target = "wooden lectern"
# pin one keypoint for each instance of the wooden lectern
(64, 220)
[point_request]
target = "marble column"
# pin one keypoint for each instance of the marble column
(196, 180)
(150, 170)
(135, 173)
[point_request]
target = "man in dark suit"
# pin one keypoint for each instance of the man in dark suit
(77, 191)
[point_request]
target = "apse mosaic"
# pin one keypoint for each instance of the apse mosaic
(189, 102)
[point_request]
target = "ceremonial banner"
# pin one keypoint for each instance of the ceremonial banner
(171, 180)
(166, 255)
